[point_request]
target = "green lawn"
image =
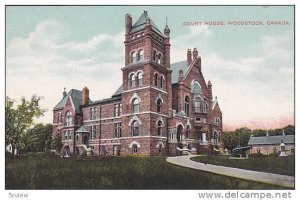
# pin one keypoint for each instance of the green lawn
(114, 173)
(271, 164)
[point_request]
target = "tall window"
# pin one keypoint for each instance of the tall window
(70, 135)
(158, 104)
(196, 88)
(93, 132)
(66, 135)
(156, 79)
(139, 78)
(59, 118)
(197, 103)
(134, 149)
(133, 57)
(188, 131)
(131, 80)
(140, 55)
(205, 107)
(93, 113)
(161, 82)
(118, 110)
(187, 106)
(118, 129)
(135, 128)
(154, 56)
(159, 128)
(159, 58)
(135, 105)
(68, 118)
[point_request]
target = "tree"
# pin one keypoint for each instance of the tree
(239, 137)
(56, 143)
(19, 118)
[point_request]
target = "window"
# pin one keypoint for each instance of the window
(188, 132)
(139, 79)
(156, 79)
(159, 58)
(133, 57)
(160, 148)
(218, 121)
(196, 88)
(66, 135)
(68, 118)
(161, 82)
(158, 104)
(187, 106)
(140, 55)
(92, 132)
(59, 118)
(131, 80)
(70, 135)
(77, 137)
(118, 110)
(135, 128)
(154, 56)
(93, 113)
(205, 107)
(135, 105)
(134, 149)
(118, 129)
(159, 128)
(197, 103)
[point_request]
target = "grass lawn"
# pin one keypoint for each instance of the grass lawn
(114, 173)
(271, 164)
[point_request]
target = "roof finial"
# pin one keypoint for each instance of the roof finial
(166, 21)
(64, 93)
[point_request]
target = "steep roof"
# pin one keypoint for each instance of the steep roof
(118, 91)
(287, 139)
(76, 97)
(175, 67)
(141, 22)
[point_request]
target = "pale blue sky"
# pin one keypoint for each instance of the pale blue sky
(251, 67)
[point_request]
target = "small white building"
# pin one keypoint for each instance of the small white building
(9, 149)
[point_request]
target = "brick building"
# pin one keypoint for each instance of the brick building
(159, 109)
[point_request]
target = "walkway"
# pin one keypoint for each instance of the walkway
(274, 179)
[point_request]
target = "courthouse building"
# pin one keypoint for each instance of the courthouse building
(159, 109)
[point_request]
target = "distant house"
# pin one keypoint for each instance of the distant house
(270, 144)
(9, 149)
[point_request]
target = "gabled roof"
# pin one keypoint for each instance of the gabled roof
(216, 105)
(76, 98)
(287, 139)
(141, 22)
(118, 91)
(175, 67)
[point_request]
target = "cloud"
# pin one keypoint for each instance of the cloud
(47, 61)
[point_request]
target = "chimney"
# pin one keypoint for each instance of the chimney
(209, 86)
(85, 96)
(189, 56)
(195, 54)
(64, 93)
(128, 23)
(180, 77)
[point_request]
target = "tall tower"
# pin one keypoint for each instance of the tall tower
(147, 92)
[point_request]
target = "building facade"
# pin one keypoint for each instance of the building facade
(159, 109)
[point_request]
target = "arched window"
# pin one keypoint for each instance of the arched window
(59, 118)
(77, 137)
(161, 81)
(135, 128)
(154, 55)
(156, 79)
(188, 131)
(205, 107)
(196, 88)
(139, 78)
(68, 118)
(131, 80)
(140, 55)
(133, 57)
(187, 106)
(159, 58)
(158, 104)
(159, 128)
(134, 148)
(197, 103)
(215, 137)
(135, 105)
(66, 135)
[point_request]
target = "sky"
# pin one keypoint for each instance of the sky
(251, 67)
